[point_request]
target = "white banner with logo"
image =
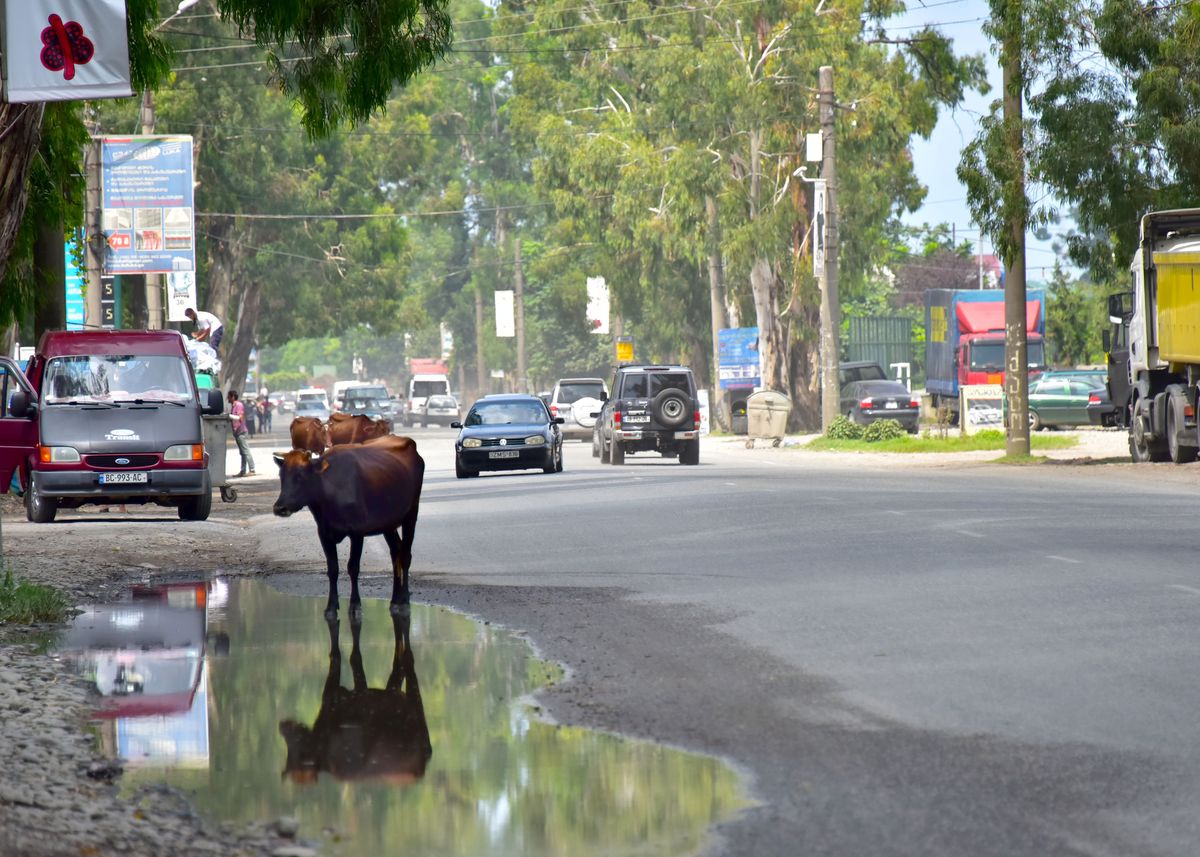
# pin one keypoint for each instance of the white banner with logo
(597, 305)
(64, 50)
(506, 323)
(181, 294)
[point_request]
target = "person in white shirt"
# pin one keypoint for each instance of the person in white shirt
(208, 327)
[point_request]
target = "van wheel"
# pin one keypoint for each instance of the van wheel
(39, 508)
(690, 454)
(197, 508)
(617, 453)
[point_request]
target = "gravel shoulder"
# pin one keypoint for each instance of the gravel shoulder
(59, 797)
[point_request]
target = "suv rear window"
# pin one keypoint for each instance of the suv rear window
(647, 385)
(568, 394)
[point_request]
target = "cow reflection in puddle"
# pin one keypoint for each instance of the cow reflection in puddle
(363, 734)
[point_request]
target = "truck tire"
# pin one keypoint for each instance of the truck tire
(39, 508)
(690, 454)
(617, 453)
(1178, 452)
(1143, 446)
(670, 408)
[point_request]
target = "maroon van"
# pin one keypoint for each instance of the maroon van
(106, 417)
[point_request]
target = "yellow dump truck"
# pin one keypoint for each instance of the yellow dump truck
(1163, 372)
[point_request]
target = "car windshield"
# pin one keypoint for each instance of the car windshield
(310, 405)
(989, 356)
(366, 393)
(570, 393)
(505, 413)
(115, 378)
(364, 404)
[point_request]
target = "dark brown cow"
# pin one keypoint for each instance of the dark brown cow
(357, 490)
(310, 434)
(363, 734)
(359, 428)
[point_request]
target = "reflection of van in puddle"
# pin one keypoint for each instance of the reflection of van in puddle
(106, 417)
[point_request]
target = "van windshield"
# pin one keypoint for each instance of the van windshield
(422, 389)
(114, 378)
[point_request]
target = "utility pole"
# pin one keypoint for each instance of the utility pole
(154, 285)
(519, 301)
(93, 232)
(716, 300)
(1016, 350)
(830, 322)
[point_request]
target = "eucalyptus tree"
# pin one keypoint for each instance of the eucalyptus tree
(648, 120)
(339, 60)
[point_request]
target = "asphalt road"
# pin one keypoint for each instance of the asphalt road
(951, 660)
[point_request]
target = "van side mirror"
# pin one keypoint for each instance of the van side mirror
(1106, 340)
(212, 403)
(22, 405)
(603, 396)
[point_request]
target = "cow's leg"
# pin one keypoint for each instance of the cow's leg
(402, 657)
(329, 543)
(356, 660)
(400, 560)
(356, 549)
(333, 680)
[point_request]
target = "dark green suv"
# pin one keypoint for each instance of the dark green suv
(653, 408)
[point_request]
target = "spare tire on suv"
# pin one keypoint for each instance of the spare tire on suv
(670, 407)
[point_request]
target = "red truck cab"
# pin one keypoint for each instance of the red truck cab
(104, 417)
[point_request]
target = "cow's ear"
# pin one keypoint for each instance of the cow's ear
(278, 459)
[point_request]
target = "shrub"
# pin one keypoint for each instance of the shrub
(843, 428)
(883, 430)
(22, 602)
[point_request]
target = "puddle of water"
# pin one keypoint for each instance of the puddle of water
(419, 743)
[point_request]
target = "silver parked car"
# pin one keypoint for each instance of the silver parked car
(575, 400)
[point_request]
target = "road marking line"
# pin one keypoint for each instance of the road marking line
(1193, 590)
(969, 533)
(1064, 559)
(893, 512)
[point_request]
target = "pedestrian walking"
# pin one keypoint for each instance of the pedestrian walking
(237, 412)
(208, 327)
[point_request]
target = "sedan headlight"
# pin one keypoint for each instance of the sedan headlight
(535, 440)
(58, 454)
(184, 452)
(472, 443)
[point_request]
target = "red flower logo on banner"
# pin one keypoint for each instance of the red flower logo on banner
(65, 46)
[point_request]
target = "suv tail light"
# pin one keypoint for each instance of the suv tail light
(554, 410)
(696, 421)
(617, 419)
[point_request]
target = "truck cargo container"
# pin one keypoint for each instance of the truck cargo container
(964, 339)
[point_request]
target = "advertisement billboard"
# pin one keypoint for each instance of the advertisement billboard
(146, 193)
(738, 358)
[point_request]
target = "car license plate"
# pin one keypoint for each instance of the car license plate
(891, 405)
(504, 453)
(636, 418)
(124, 478)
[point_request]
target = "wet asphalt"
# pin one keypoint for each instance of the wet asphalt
(945, 660)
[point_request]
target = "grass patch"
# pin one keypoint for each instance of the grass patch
(22, 602)
(984, 440)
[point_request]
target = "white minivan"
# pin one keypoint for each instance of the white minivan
(420, 388)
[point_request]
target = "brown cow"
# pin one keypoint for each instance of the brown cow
(359, 428)
(310, 434)
(357, 490)
(364, 733)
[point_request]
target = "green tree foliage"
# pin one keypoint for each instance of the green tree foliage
(1075, 316)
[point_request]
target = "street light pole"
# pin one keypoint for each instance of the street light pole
(830, 312)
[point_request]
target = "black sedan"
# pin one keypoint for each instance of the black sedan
(866, 401)
(508, 432)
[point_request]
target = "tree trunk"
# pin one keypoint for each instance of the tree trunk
(716, 298)
(49, 266)
(772, 346)
(22, 133)
(243, 340)
(225, 256)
